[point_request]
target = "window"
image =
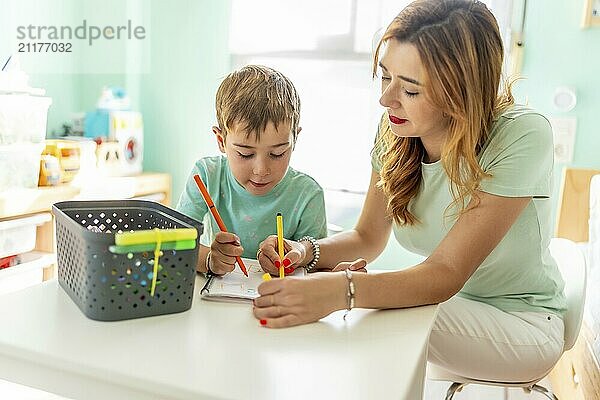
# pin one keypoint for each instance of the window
(325, 48)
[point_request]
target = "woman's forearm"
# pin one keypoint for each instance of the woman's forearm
(425, 283)
(367, 240)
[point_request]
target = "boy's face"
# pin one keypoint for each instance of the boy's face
(257, 165)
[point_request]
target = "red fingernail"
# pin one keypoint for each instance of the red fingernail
(263, 322)
(286, 262)
(289, 270)
(277, 264)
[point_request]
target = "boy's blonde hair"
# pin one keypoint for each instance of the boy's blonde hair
(254, 96)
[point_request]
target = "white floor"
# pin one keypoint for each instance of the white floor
(433, 391)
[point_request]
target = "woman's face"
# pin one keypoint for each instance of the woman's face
(403, 95)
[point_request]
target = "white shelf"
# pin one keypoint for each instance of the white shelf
(29, 272)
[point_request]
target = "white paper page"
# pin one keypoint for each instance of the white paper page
(235, 285)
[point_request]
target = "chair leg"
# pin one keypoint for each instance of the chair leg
(455, 387)
(542, 390)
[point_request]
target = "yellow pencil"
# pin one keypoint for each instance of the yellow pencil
(280, 243)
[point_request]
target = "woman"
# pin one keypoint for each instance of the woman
(462, 176)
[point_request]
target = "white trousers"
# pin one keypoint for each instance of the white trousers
(479, 341)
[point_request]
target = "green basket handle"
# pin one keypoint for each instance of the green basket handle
(152, 236)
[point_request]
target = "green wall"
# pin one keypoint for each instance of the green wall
(60, 84)
(189, 57)
(171, 76)
(558, 52)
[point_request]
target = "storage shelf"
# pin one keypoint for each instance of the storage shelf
(18, 202)
(30, 271)
(15, 204)
(30, 261)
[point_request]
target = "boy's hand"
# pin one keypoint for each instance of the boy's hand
(268, 256)
(223, 251)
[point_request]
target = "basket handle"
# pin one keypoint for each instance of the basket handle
(154, 235)
(138, 248)
(157, 254)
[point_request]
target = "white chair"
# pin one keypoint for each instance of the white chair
(571, 264)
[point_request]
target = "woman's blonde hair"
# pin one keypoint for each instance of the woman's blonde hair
(461, 50)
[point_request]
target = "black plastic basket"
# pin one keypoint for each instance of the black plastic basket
(111, 287)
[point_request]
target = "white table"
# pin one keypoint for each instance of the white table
(213, 351)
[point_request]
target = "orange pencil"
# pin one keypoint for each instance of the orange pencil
(216, 216)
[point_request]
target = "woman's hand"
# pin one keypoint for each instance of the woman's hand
(294, 301)
(223, 251)
(359, 265)
(268, 256)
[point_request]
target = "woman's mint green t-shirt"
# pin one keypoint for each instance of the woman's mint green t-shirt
(298, 197)
(519, 274)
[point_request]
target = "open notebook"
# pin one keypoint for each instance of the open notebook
(235, 286)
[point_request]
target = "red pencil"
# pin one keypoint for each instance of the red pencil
(217, 217)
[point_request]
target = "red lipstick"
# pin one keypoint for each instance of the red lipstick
(396, 120)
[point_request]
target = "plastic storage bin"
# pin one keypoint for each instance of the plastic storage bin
(108, 286)
(18, 235)
(28, 271)
(20, 165)
(23, 118)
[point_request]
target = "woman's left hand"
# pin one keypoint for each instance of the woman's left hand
(359, 265)
(295, 301)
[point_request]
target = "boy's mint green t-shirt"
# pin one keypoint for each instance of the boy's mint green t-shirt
(298, 197)
(519, 274)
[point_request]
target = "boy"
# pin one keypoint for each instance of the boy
(258, 111)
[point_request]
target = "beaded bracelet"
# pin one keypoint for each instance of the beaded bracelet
(316, 252)
(349, 293)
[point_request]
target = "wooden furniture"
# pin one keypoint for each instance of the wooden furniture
(20, 203)
(591, 14)
(215, 350)
(577, 374)
(574, 208)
